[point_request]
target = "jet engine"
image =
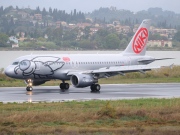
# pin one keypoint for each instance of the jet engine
(82, 80)
(34, 82)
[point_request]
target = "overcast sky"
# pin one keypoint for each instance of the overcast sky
(90, 5)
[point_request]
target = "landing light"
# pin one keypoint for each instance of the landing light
(29, 80)
(30, 84)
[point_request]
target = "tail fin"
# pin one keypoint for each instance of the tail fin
(137, 45)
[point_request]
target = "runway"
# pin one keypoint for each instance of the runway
(108, 92)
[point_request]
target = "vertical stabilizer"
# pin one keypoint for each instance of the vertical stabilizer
(137, 45)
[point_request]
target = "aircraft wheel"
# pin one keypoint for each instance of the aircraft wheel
(61, 86)
(64, 86)
(92, 87)
(29, 88)
(95, 88)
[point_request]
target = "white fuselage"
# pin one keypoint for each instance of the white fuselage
(56, 66)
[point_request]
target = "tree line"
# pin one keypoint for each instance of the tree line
(105, 38)
(8, 22)
(161, 18)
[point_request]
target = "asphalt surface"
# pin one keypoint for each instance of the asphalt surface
(108, 92)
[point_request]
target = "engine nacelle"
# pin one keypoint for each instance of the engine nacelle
(34, 82)
(82, 80)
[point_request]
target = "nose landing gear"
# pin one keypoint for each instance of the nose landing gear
(29, 85)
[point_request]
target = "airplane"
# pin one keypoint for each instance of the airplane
(84, 70)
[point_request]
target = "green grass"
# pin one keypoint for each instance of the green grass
(140, 116)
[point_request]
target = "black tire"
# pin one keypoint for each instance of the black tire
(92, 88)
(97, 87)
(61, 86)
(66, 86)
(29, 88)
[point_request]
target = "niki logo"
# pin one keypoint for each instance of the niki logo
(140, 40)
(66, 59)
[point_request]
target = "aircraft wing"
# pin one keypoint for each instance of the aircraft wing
(120, 69)
(125, 69)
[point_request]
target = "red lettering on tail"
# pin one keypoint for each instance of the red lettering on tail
(140, 40)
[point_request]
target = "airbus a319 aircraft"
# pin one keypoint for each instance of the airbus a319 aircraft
(84, 70)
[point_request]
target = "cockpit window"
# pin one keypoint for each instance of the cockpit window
(15, 63)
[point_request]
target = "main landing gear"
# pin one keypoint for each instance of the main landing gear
(29, 85)
(95, 87)
(64, 86)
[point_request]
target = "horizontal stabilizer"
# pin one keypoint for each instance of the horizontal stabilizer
(152, 60)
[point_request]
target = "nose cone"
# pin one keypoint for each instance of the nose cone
(9, 71)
